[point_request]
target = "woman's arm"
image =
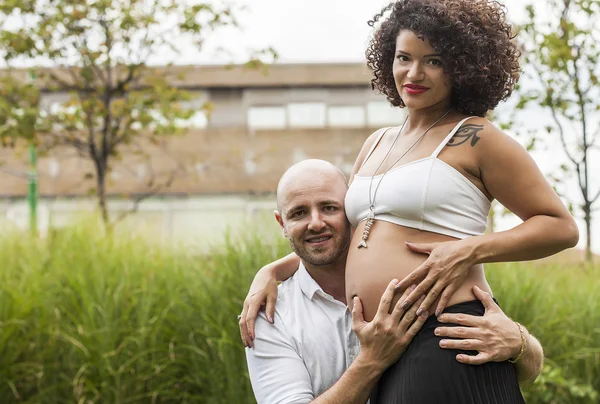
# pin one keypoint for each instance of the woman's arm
(511, 176)
(263, 292)
(284, 268)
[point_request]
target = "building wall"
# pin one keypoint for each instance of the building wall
(200, 222)
(227, 153)
(212, 161)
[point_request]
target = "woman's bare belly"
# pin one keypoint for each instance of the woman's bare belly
(370, 270)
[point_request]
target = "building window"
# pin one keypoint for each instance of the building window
(307, 114)
(266, 118)
(54, 167)
(346, 116)
(198, 120)
(381, 113)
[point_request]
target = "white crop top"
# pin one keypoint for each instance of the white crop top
(425, 194)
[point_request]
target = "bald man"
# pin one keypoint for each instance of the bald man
(308, 352)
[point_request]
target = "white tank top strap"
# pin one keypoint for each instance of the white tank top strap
(450, 135)
(383, 132)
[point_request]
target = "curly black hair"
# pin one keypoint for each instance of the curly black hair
(480, 58)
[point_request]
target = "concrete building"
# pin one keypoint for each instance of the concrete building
(263, 122)
(225, 167)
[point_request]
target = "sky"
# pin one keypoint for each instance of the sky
(306, 30)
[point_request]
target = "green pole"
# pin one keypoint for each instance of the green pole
(32, 191)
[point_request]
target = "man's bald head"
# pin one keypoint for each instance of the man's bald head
(308, 170)
(310, 201)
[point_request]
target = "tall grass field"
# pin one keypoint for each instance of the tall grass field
(86, 318)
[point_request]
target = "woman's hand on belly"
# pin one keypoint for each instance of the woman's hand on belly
(444, 271)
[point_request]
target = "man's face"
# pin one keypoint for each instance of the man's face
(313, 219)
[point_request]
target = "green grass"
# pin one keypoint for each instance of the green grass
(561, 307)
(86, 318)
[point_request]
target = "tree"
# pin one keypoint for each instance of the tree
(561, 46)
(100, 50)
(18, 111)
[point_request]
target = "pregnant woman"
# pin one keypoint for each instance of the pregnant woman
(420, 194)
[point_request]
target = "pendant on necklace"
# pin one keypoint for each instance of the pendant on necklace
(368, 224)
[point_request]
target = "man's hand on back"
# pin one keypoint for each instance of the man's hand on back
(383, 340)
(494, 335)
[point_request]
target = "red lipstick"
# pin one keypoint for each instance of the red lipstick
(415, 89)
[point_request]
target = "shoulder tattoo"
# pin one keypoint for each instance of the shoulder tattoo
(466, 133)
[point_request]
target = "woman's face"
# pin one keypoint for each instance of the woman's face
(419, 72)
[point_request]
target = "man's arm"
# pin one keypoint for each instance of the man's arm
(278, 373)
(279, 376)
(530, 364)
(355, 385)
(495, 336)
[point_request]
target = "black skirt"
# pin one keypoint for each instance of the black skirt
(428, 374)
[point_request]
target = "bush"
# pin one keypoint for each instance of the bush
(560, 306)
(87, 318)
(84, 318)
(553, 387)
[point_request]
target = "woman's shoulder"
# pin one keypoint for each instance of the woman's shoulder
(489, 138)
(373, 137)
(369, 143)
(484, 124)
(480, 129)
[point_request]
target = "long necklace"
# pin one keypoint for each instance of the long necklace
(371, 215)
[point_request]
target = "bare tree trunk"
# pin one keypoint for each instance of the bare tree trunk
(101, 192)
(587, 216)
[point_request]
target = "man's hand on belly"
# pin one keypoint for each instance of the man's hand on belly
(383, 340)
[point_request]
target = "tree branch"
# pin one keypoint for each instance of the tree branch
(63, 84)
(80, 146)
(91, 135)
(595, 136)
(561, 135)
(15, 173)
(595, 198)
(108, 93)
(120, 87)
(140, 198)
(117, 140)
(582, 186)
(97, 71)
(561, 132)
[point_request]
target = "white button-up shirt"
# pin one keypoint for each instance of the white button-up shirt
(307, 349)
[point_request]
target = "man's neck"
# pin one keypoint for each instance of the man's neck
(331, 278)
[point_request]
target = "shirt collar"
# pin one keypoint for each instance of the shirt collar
(308, 285)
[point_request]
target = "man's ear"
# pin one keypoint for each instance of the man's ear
(280, 221)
